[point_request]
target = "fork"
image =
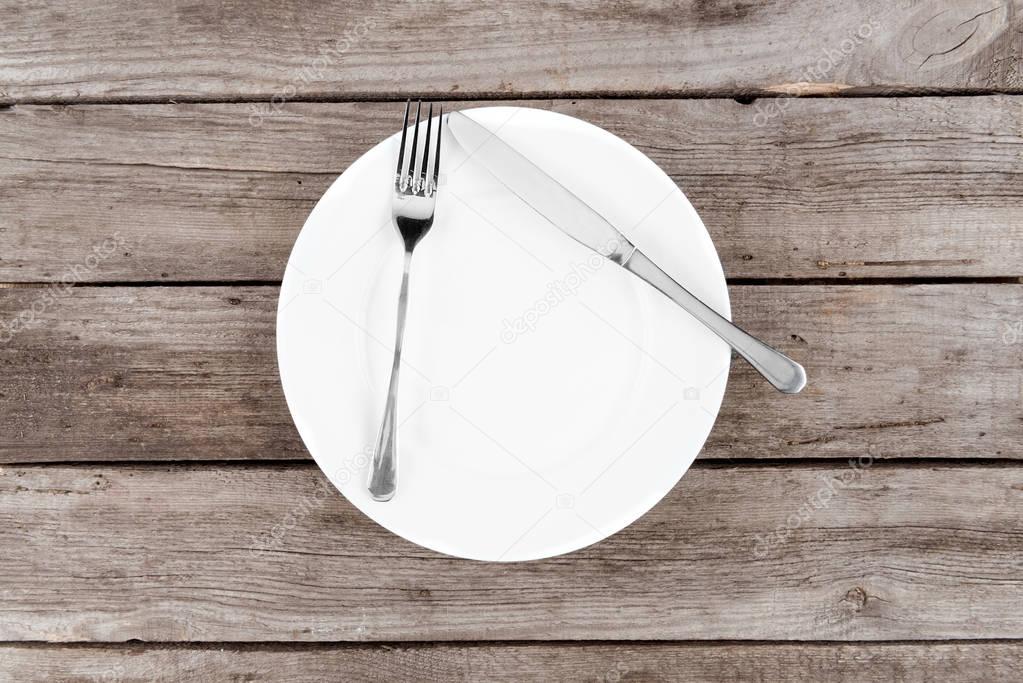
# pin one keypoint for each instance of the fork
(412, 208)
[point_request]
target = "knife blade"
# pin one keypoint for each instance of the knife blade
(577, 219)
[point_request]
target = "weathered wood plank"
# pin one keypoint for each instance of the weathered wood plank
(142, 373)
(788, 188)
(963, 662)
(306, 48)
(182, 373)
(252, 553)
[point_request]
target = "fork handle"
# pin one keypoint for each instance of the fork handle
(785, 374)
(383, 477)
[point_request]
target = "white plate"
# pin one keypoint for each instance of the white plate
(548, 398)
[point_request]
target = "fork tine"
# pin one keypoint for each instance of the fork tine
(421, 176)
(415, 142)
(436, 156)
(401, 149)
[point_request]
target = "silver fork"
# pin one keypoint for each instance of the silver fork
(412, 207)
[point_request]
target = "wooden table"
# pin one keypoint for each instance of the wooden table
(160, 519)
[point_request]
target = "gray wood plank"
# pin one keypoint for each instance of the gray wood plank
(124, 49)
(142, 374)
(862, 188)
(963, 662)
(100, 373)
(268, 553)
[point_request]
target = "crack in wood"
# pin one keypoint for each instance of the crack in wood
(893, 425)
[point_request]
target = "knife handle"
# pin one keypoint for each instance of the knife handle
(785, 374)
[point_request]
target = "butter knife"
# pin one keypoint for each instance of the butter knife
(581, 222)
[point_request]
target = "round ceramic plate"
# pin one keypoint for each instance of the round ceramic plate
(548, 398)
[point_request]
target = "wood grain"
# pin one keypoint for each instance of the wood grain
(304, 48)
(921, 187)
(142, 373)
(186, 142)
(963, 662)
(106, 373)
(252, 553)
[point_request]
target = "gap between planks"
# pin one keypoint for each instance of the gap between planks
(306, 646)
(731, 282)
(699, 464)
(743, 96)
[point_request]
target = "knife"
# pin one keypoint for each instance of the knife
(581, 222)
